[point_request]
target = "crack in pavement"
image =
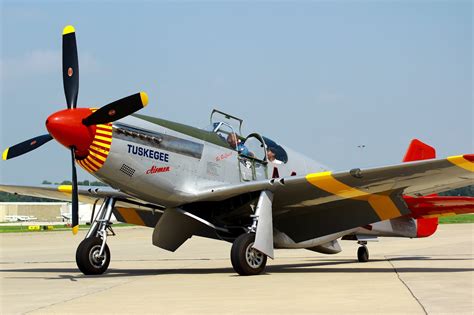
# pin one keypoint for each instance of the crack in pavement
(406, 285)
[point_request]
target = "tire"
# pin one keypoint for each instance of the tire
(363, 254)
(246, 260)
(86, 261)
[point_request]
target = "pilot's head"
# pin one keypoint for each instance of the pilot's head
(271, 154)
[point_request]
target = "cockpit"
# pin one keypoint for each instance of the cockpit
(252, 147)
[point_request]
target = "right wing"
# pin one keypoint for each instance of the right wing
(319, 204)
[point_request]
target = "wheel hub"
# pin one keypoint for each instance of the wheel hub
(95, 258)
(254, 257)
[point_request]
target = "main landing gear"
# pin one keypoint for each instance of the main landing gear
(247, 261)
(93, 254)
(363, 252)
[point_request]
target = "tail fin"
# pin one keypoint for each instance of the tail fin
(417, 151)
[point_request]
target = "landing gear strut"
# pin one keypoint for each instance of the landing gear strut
(363, 252)
(93, 254)
(247, 261)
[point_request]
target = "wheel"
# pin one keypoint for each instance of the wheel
(363, 254)
(246, 260)
(87, 256)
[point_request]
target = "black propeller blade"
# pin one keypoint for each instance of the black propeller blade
(25, 146)
(117, 110)
(70, 66)
(75, 196)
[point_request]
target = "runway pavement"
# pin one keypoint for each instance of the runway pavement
(433, 275)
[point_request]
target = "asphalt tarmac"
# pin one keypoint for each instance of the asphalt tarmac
(433, 275)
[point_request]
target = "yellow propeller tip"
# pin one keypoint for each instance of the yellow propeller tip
(144, 98)
(5, 154)
(75, 229)
(68, 29)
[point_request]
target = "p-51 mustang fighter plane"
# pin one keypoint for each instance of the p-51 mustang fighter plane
(252, 191)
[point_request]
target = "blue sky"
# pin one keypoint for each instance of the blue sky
(321, 77)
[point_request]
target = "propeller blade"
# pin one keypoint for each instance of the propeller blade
(25, 146)
(75, 197)
(117, 110)
(70, 66)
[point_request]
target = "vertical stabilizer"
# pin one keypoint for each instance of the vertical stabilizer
(417, 151)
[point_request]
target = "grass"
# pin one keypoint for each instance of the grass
(62, 227)
(462, 218)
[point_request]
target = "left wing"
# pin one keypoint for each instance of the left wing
(127, 208)
(87, 194)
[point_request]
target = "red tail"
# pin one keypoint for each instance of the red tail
(418, 151)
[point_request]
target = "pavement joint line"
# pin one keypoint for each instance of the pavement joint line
(406, 285)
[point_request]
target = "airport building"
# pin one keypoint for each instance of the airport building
(32, 211)
(42, 212)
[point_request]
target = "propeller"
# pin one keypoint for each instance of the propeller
(117, 110)
(75, 196)
(70, 66)
(74, 127)
(26, 146)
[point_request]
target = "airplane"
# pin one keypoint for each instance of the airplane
(20, 218)
(252, 191)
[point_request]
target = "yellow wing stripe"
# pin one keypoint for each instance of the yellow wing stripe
(327, 182)
(460, 161)
(130, 216)
(65, 189)
(382, 204)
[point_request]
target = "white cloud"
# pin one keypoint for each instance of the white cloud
(42, 63)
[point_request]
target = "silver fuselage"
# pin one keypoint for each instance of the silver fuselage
(168, 167)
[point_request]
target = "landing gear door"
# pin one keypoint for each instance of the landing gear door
(253, 158)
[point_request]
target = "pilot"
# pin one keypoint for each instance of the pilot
(271, 156)
(236, 144)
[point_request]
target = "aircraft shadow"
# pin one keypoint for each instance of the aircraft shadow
(308, 266)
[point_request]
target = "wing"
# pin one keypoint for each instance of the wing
(87, 194)
(319, 204)
(127, 209)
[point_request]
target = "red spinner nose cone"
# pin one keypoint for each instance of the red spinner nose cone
(67, 128)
